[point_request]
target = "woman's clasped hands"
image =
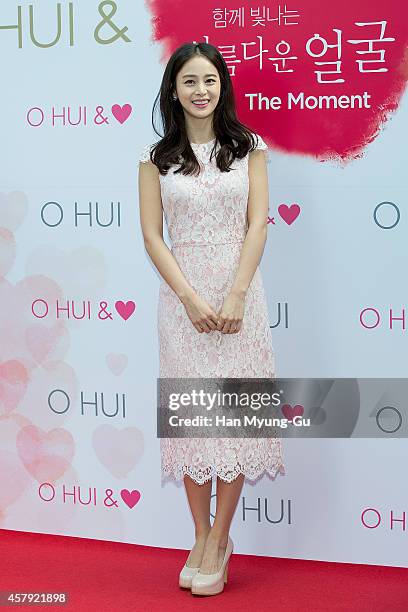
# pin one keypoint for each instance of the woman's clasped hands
(205, 319)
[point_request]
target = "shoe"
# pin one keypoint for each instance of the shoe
(212, 584)
(186, 576)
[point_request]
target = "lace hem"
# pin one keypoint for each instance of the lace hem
(227, 475)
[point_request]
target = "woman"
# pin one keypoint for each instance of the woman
(209, 174)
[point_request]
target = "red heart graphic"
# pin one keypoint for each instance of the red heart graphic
(365, 41)
(289, 412)
(121, 113)
(289, 213)
(130, 498)
(125, 310)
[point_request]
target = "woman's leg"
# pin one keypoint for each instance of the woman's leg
(199, 499)
(227, 498)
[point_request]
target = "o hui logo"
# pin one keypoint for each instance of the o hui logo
(92, 214)
(41, 309)
(389, 211)
(371, 317)
(88, 496)
(106, 31)
(66, 116)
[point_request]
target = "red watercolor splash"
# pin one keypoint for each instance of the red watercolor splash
(339, 134)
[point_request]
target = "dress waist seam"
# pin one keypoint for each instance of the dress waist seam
(181, 244)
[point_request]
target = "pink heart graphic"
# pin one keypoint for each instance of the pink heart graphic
(42, 340)
(289, 412)
(289, 214)
(130, 498)
(119, 450)
(121, 113)
(13, 481)
(116, 363)
(46, 455)
(125, 310)
(13, 209)
(13, 385)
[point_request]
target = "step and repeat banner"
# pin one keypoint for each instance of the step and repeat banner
(79, 454)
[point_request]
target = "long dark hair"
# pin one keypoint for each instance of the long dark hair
(235, 140)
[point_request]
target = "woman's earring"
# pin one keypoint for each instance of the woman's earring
(174, 97)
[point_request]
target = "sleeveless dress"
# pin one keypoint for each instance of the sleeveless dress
(207, 224)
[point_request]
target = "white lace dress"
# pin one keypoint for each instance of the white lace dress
(206, 221)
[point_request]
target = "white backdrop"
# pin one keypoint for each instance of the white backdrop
(78, 449)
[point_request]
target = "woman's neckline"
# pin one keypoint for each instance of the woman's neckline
(200, 144)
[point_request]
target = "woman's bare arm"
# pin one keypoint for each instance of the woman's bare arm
(201, 314)
(151, 220)
(254, 244)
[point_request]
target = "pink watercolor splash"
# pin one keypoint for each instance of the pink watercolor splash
(31, 354)
(324, 134)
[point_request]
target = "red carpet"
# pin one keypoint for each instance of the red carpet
(106, 576)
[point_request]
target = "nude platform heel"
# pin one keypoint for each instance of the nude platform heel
(212, 584)
(186, 576)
